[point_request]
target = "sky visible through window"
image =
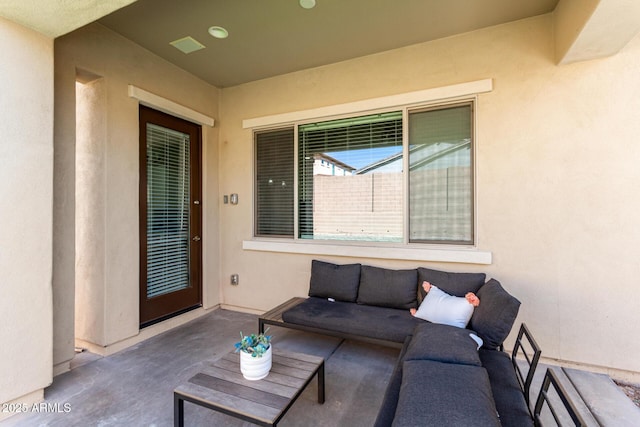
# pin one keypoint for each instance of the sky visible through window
(361, 158)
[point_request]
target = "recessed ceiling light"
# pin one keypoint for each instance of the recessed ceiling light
(308, 4)
(218, 32)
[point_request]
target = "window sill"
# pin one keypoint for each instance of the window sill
(409, 253)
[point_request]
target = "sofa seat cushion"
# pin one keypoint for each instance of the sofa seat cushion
(388, 288)
(444, 394)
(507, 394)
(443, 343)
(387, 324)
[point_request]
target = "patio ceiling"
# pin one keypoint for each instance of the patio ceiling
(269, 38)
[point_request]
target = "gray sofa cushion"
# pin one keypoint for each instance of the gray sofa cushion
(388, 288)
(339, 282)
(383, 323)
(507, 394)
(494, 317)
(444, 394)
(443, 343)
(457, 284)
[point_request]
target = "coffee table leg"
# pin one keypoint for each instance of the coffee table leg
(321, 383)
(178, 411)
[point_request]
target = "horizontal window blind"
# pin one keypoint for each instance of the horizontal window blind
(440, 178)
(167, 210)
(350, 179)
(274, 183)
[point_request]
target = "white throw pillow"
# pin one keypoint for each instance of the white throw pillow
(440, 307)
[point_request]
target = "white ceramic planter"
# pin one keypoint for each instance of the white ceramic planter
(255, 368)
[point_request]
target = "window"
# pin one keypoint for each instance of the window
(441, 175)
(351, 178)
(358, 194)
(274, 183)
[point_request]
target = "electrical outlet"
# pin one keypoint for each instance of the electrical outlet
(235, 279)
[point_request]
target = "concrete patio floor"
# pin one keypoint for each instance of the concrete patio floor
(135, 386)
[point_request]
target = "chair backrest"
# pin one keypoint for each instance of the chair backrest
(531, 352)
(551, 379)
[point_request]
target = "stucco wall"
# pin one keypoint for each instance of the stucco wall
(117, 62)
(26, 158)
(91, 127)
(557, 173)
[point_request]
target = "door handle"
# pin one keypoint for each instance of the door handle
(196, 239)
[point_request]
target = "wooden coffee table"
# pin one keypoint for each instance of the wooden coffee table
(221, 387)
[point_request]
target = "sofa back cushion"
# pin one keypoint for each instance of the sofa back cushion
(443, 343)
(456, 284)
(388, 288)
(494, 317)
(339, 282)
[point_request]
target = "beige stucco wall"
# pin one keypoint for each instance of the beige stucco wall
(557, 179)
(26, 158)
(570, 18)
(97, 51)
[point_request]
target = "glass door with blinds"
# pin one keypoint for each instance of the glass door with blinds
(170, 216)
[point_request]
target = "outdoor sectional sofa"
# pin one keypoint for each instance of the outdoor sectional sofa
(441, 377)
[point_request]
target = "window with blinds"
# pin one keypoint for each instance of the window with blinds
(351, 180)
(167, 210)
(274, 183)
(440, 175)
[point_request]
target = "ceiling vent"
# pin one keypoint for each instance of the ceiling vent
(187, 44)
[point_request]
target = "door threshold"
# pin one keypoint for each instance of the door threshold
(169, 316)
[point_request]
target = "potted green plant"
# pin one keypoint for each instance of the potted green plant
(255, 355)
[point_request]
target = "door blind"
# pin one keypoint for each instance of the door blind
(167, 210)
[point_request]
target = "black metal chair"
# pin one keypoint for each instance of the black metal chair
(551, 379)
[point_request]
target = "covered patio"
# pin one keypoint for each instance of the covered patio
(550, 93)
